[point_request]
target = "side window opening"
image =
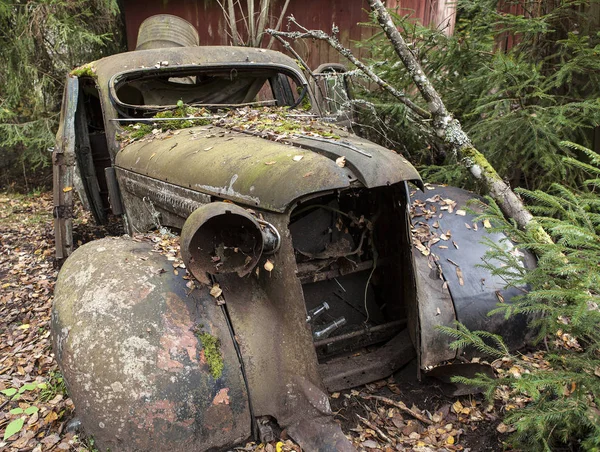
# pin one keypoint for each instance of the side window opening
(91, 149)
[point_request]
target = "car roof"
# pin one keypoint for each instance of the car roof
(173, 57)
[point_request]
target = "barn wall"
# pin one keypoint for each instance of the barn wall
(207, 17)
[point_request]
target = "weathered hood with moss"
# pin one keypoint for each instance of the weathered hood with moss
(258, 172)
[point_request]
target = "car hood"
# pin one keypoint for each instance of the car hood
(252, 170)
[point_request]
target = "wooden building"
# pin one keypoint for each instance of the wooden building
(350, 16)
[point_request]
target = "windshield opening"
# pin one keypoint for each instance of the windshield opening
(144, 93)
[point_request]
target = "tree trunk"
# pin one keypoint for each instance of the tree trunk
(450, 130)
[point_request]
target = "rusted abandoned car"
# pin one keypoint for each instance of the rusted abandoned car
(297, 275)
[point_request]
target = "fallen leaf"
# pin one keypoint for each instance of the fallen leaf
(486, 224)
(459, 274)
(297, 158)
(50, 440)
(67, 189)
(269, 266)
(270, 163)
(457, 407)
(216, 291)
(341, 161)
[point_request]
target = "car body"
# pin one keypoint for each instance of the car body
(297, 235)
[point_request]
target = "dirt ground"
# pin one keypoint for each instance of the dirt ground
(400, 413)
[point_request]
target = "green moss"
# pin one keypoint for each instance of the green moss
(479, 159)
(87, 70)
(279, 123)
(141, 129)
(212, 353)
(305, 104)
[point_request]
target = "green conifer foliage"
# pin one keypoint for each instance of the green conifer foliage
(40, 42)
(517, 105)
(563, 302)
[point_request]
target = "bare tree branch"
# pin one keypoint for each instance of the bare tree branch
(232, 22)
(335, 43)
(262, 19)
(251, 29)
(450, 130)
(286, 45)
(279, 22)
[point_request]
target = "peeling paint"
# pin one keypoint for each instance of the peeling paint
(222, 397)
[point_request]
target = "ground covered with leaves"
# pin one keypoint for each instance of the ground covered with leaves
(36, 414)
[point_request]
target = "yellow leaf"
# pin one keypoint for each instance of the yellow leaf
(25, 326)
(457, 407)
(341, 161)
(67, 189)
(502, 428)
(279, 446)
(269, 266)
(486, 224)
(216, 291)
(51, 417)
(450, 440)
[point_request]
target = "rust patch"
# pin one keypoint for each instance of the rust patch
(178, 339)
(222, 397)
(165, 410)
(219, 418)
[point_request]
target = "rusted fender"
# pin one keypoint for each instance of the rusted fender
(134, 348)
(443, 297)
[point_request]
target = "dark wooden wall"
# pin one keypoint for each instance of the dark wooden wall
(207, 17)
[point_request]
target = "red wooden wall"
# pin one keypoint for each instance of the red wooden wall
(207, 17)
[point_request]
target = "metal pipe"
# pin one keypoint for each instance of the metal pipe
(316, 312)
(376, 329)
(328, 329)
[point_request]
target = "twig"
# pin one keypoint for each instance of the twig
(4, 404)
(279, 22)
(401, 406)
(286, 45)
(451, 131)
(452, 262)
(373, 427)
(335, 43)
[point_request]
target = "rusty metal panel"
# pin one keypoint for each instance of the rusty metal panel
(272, 303)
(355, 370)
(237, 167)
(129, 335)
(435, 308)
(63, 161)
(243, 175)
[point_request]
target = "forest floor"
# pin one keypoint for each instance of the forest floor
(36, 413)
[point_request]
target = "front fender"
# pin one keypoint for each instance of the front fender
(451, 284)
(134, 345)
